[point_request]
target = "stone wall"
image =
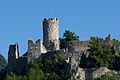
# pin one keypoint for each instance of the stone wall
(108, 42)
(35, 50)
(52, 54)
(74, 46)
(83, 46)
(13, 55)
(51, 33)
(99, 72)
(77, 49)
(20, 64)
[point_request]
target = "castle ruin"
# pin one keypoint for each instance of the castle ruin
(35, 50)
(51, 33)
(40, 50)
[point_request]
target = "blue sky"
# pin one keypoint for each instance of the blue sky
(21, 20)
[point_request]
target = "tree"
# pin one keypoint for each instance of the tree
(13, 76)
(35, 74)
(68, 36)
(116, 47)
(3, 63)
(115, 63)
(107, 76)
(52, 68)
(98, 55)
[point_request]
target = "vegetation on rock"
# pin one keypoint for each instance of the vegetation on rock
(68, 36)
(99, 56)
(50, 69)
(107, 76)
(116, 48)
(54, 68)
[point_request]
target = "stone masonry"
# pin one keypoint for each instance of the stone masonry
(39, 51)
(35, 50)
(51, 33)
(13, 55)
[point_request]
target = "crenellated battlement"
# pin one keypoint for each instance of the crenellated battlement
(50, 19)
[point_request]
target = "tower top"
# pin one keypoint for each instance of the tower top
(48, 19)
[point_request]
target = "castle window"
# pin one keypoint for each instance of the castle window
(37, 47)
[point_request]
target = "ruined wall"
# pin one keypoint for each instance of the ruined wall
(51, 33)
(77, 48)
(35, 50)
(20, 64)
(51, 54)
(13, 55)
(108, 42)
(83, 46)
(74, 46)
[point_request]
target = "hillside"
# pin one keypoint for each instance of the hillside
(2, 62)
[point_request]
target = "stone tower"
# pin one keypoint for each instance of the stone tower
(51, 33)
(13, 55)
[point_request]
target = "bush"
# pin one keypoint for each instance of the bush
(50, 69)
(107, 76)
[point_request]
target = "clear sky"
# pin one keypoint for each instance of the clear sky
(21, 20)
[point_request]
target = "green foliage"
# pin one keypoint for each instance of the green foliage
(115, 63)
(52, 76)
(3, 63)
(84, 61)
(49, 69)
(68, 36)
(116, 47)
(35, 74)
(98, 55)
(107, 76)
(2, 74)
(54, 68)
(30, 66)
(13, 76)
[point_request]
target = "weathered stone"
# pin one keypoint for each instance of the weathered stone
(51, 33)
(13, 55)
(39, 52)
(35, 50)
(99, 72)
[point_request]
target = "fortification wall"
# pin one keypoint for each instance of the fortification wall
(51, 33)
(77, 48)
(83, 46)
(35, 50)
(74, 46)
(108, 42)
(13, 54)
(20, 64)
